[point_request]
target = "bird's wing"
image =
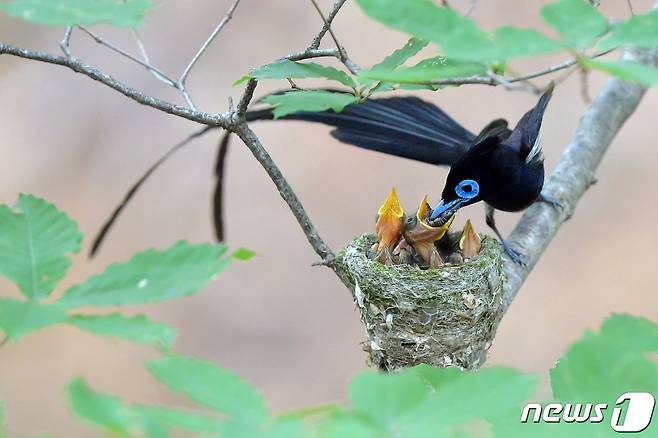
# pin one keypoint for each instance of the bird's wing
(402, 126)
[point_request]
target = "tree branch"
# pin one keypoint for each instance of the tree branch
(327, 24)
(574, 172)
(220, 120)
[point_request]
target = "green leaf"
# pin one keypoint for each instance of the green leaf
(314, 100)
(35, 241)
(150, 276)
(386, 397)
(577, 21)
(243, 254)
(459, 37)
(284, 69)
(627, 70)
(18, 318)
(639, 31)
(425, 20)
(428, 70)
(601, 366)
(401, 55)
(394, 60)
(135, 329)
(513, 42)
(345, 424)
(103, 411)
(210, 386)
(126, 13)
(177, 419)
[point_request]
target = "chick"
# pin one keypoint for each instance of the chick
(422, 236)
(389, 228)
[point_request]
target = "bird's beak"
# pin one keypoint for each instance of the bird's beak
(445, 211)
(389, 221)
(423, 216)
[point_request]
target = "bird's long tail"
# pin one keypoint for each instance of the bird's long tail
(402, 126)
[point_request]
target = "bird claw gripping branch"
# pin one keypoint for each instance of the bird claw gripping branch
(411, 240)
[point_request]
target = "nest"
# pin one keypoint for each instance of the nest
(442, 317)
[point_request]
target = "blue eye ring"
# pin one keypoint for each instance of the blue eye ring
(467, 189)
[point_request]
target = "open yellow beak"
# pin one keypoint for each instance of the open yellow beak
(389, 221)
(423, 215)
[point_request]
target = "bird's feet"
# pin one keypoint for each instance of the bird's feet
(548, 199)
(513, 254)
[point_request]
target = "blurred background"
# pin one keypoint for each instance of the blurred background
(284, 325)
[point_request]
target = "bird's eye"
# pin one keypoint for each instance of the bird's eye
(467, 189)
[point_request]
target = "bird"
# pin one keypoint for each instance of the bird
(501, 167)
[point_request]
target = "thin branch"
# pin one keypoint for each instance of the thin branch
(142, 49)
(209, 40)
(220, 120)
(341, 51)
(493, 80)
(246, 97)
(327, 24)
(313, 53)
(66, 40)
(157, 72)
(574, 172)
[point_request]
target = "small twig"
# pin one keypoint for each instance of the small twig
(246, 97)
(584, 86)
(341, 51)
(220, 120)
(180, 84)
(313, 53)
(489, 80)
(471, 7)
(630, 6)
(327, 24)
(66, 40)
(159, 73)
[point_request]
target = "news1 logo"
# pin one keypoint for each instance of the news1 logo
(632, 412)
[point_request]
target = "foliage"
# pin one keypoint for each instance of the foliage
(123, 13)
(419, 402)
(36, 243)
(466, 50)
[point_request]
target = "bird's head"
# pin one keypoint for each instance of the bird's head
(458, 192)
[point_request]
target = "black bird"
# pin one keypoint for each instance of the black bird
(502, 167)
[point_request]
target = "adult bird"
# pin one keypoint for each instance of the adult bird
(502, 167)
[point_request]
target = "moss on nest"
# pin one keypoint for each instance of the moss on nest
(445, 316)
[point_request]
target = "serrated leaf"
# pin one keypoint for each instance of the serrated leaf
(396, 59)
(284, 69)
(135, 329)
(428, 70)
(243, 254)
(314, 100)
(207, 384)
(599, 367)
(178, 419)
(577, 21)
(401, 55)
(103, 411)
(150, 276)
(638, 31)
(126, 13)
(36, 240)
(627, 70)
(279, 428)
(426, 20)
(18, 318)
